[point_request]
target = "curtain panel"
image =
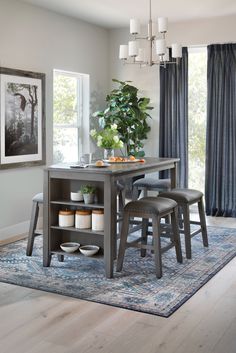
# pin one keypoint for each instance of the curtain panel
(173, 140)
(220, 182)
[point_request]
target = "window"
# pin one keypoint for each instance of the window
(197, 105)
(70, 115)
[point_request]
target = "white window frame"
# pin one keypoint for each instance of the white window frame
(192, 50)
(82, 125)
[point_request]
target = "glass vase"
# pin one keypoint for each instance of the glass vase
(108, 152)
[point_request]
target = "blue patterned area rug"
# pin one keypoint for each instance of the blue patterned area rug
(136, 287)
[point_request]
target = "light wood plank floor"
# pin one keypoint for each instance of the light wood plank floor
(32, 321)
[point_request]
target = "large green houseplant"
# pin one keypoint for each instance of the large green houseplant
(129, 112)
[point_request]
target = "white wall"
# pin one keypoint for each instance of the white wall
(38, 40)
(145, 79)
(204, 32)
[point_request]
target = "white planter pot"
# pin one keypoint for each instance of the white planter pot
(88, 198)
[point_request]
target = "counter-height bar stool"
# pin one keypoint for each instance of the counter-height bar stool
(150, 184)
(153, 208)
(185, 198)
(37, 200)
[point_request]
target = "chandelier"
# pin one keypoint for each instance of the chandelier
(155, 51)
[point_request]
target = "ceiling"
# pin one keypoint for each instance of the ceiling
(116, 13)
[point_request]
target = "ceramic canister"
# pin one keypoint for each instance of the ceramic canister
(66, 218)
(98, 220)
(83, 219)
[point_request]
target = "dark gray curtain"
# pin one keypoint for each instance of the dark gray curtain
(220, 187)
(173, 141)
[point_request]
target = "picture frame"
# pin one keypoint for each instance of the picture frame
(22, 118)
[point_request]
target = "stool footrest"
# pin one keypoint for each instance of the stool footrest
(197, 231)
(195, 222)
(38, 233)
(135, 244)
(135, 229)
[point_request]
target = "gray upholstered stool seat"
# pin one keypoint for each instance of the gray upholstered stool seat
(186, 198)
(152, 205)
(146, 184)
(153, 183)
(184, 195)
(154, 208)
(37, 200)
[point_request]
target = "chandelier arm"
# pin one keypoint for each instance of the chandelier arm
(150, 38)
(150, 10)
(142, 38)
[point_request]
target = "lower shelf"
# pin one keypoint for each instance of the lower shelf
(97, 256)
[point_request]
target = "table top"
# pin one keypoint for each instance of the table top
(120, 168)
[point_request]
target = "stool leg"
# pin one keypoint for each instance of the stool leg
(145, 192)
(176, 236)
(121, 197)
(135, 193)
(167, 219)
(203, 222)
(180, 218)
(123, 240)
(187, 231)
(121, 200)
(33, 224)
(144, 235)
(157, 245)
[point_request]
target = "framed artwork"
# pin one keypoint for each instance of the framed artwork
(22, 121)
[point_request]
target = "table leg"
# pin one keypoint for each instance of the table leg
(173, 176)
(110, 224)
(46, 240)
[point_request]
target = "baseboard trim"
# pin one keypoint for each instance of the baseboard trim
(16, 230)
(13, 239)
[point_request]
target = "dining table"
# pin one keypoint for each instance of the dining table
(61, 179)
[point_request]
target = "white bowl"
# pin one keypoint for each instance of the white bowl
(70, 247)
(76, 196)
(89, 250)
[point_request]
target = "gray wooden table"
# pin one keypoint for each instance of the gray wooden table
(60, 180)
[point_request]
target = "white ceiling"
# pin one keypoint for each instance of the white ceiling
(116, 13)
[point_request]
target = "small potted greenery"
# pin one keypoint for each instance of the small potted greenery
(88, 192)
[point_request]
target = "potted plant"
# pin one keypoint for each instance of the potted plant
(88, 192)
(129, 112)
(108, 139)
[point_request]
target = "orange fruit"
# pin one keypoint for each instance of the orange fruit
(112, 159)
(99, 163)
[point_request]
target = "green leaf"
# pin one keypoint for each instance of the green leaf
(128, 110)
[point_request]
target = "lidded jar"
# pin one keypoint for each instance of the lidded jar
(66, 218)
(98, 220)
(83, 219)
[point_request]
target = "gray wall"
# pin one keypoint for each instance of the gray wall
(39, 40)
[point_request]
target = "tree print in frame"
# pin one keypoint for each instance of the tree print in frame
(22, 123)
